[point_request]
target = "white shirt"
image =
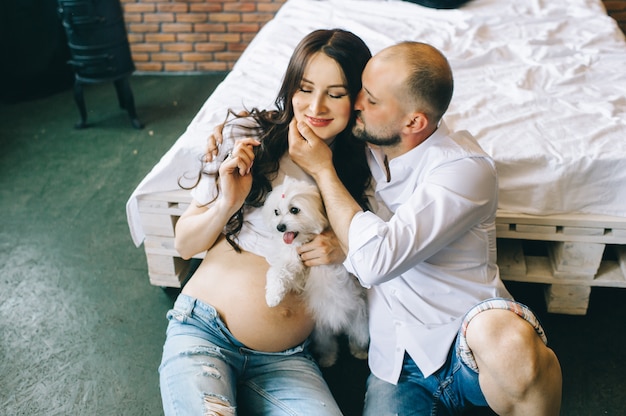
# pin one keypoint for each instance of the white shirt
(428, 249)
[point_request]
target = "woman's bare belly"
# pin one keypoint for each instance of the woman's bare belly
(234, 284)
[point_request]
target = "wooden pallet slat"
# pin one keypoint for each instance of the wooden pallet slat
(511, 259)
(539, 269)
(572, 227)
(154, 244)
(165, 270)
(583, 231)
(535, 229)
(610, 274)
(563, 220)
(575, 260)
(567, 299)
(158, 224)
(618, 233)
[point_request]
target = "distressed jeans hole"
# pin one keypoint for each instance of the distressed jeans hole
(215, 405)
(210, 370)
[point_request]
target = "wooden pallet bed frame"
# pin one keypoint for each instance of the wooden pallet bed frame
(568, 253)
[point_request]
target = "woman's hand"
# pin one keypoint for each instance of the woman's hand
(216, 138)
(323, 249)
(235, 179)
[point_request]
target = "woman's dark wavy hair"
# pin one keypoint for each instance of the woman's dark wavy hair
(351, 53)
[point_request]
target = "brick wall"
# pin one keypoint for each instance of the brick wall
(209, 35)
(193, 35)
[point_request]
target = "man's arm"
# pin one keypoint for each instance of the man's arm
(315, 157)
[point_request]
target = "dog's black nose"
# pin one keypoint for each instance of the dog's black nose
(281, 227)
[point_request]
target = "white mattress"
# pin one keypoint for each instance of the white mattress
(541, 85)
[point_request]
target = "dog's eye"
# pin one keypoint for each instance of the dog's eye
(294, 210)
(276, 212)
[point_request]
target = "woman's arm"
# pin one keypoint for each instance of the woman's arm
(201, 225)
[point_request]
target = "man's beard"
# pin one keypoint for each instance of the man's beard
(361, 133)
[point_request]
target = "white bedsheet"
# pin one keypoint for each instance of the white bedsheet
(541, 84)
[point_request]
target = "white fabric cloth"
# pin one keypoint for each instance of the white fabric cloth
(428, 252)
(540, 84)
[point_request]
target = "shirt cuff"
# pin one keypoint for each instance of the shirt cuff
(364, 227)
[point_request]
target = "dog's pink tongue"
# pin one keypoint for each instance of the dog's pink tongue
(288, 237)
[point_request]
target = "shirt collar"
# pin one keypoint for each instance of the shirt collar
(408, 158)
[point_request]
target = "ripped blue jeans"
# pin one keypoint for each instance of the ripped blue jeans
(206, 371)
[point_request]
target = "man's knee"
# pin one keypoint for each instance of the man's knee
(516, 368)
(500, 328)
(505, 343)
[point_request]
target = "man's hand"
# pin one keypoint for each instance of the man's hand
(213, 143)
(307, 150)
(325, 248)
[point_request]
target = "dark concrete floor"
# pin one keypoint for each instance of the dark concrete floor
(81, 328)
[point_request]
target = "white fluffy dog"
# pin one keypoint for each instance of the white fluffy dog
(335, 299)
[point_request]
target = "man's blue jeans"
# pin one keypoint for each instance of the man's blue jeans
(449, 391)
(204, 367)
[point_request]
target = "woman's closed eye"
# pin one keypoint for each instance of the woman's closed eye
(337, 95)
(332, 94)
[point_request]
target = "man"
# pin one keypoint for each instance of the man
(427, 253)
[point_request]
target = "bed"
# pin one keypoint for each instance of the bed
(540, 84)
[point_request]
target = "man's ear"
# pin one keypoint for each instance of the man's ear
(417, 122)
